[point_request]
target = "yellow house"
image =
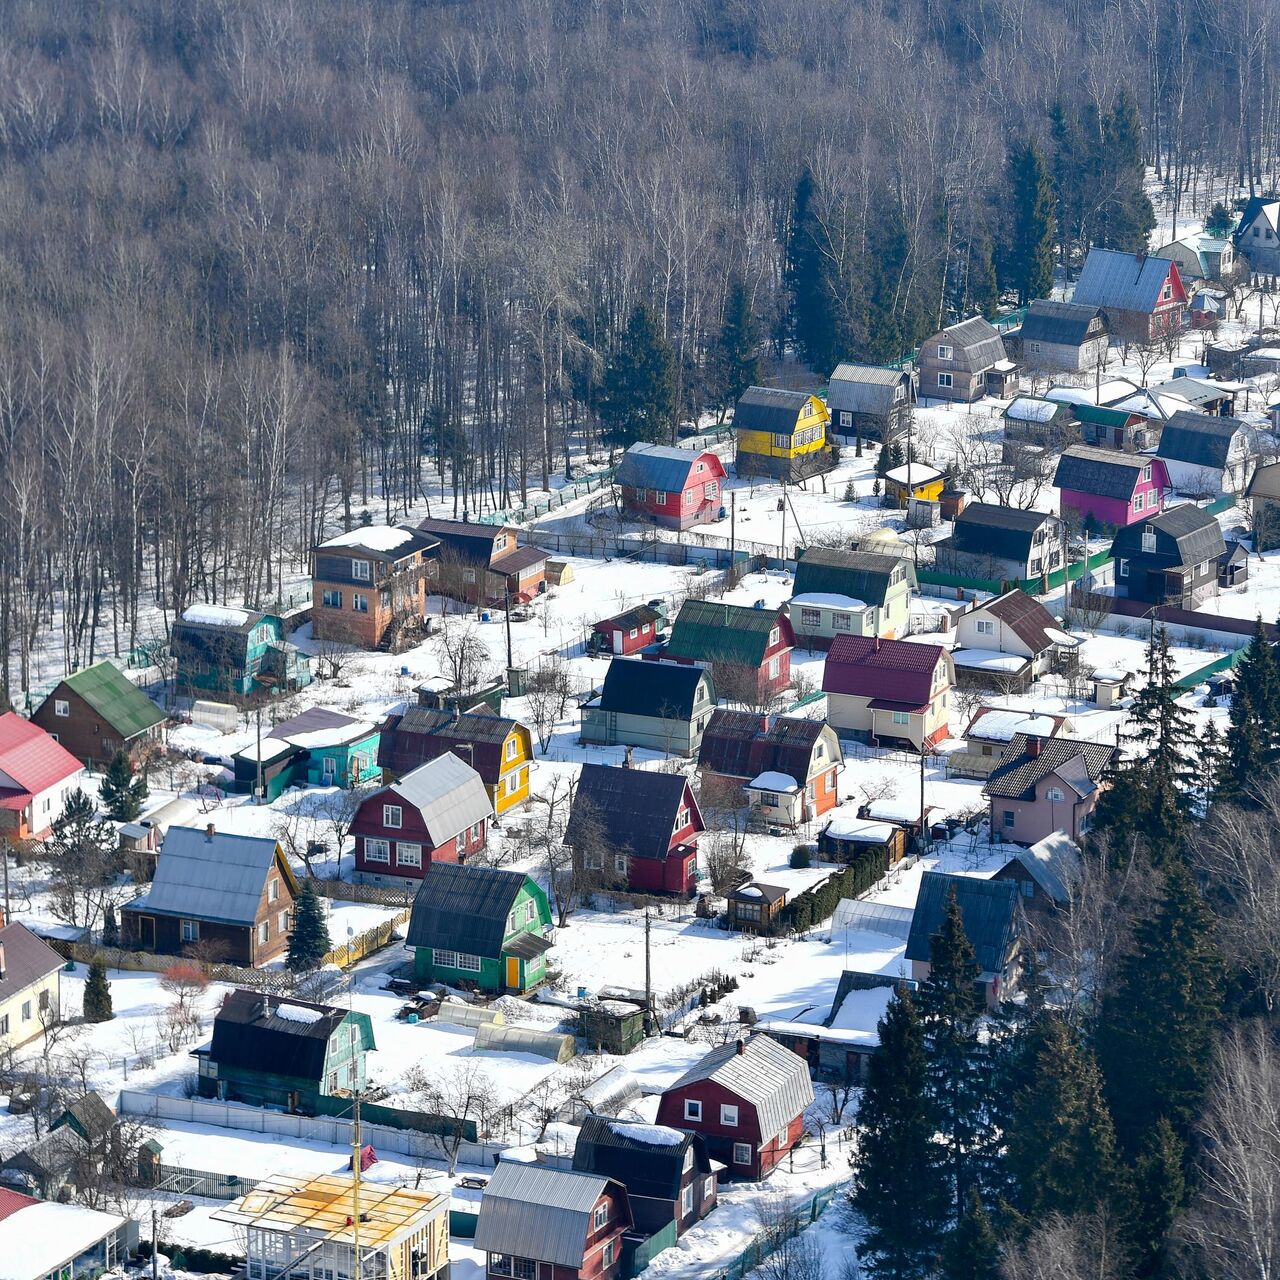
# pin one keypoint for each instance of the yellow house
(782, 434)
(30, 973)
(914, 480)
(511, 789)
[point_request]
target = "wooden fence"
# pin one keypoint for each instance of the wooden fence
(366, 943)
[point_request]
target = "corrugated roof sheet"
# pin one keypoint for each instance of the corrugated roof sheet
(656, 466)
(738, 744)
(1198, 439)
(115, 698)
(983, 528)
(250, 1032)
(464, 908)
(1059, 323)
(711, 631)
(447, 792)
(28, 959)
(1025, 616)
(1196, 535)
(978, 345)
(634, 809)
(867, 667)
(635, 687)
(647, 1159)
(861, 575)
(31, 757)
(864, 388)
(1053, 863)
(1106, 473)
(1122, 280)
(987, 907)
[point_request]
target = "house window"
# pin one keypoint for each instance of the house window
(391, 815)
(747, 911)
(1033, 346)
(1139, 501)
(601, 1216)
(1148, 539)
(842, 622)
(500, 542)
(810, 617)
(1124, 568)
(61, 708)
(476, 832)
(710, 489)
(359, 602)
(4, 1025)
(593, 861)
(1146, 472)
(631, 635)
(264, 932)
(283, 923)
(1167, 292)
(986, 627)
(1036, 565)
(773, 667)
(332, 599)
(686, 1199)
(191, 931)
(774, 636)
(620, 863)
(741, 1153)
(944, 379)
(511, 748)
(728, 1115)
(377, 850)
(846, 418)
(782, 442)
(944, 352)
(688, 1160)
(607, 1256)
(26, 1011)
(361, 570)
(1009, 818)
(384, 599)
(692, 1109)
(980, 379)
(902, 717)
(1055, 794)
(769, 800)
(409, 855)
(899, 393)
(456, 960)
(709, 1188)
(273, 890)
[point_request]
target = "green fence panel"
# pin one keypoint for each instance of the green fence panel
(1226, 662)
(934, 578)
(1219, 505)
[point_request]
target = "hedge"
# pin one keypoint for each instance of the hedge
(815, 905)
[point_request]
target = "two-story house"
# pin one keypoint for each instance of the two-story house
(98, 711)
(438, 812)
(223, 649)
(1207, 454)
(1004, 543)
(1045, 785)
(662, 706)
(782, 434)
(839, 592)
(369, 586)
(37, 774)
(965, 362)
(30, 977)
(1011, 635)
(1047, 873)
(1142, 298)
(888, 691)
(870, 402)
(748, 650)
(498, 748)
(1171, 558)
(1103, 488)
(485, 563)
(1062, 335)
(676, 488)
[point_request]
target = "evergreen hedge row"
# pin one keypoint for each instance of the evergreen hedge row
(815, 905)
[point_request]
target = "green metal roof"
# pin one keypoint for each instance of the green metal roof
(708, 631)
(115, 698)
(1101, 416)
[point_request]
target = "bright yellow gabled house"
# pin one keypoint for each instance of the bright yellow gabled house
(781, 434)
(913, 480)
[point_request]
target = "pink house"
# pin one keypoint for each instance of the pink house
(1045, 785)
(672, 487)
(1109, 488)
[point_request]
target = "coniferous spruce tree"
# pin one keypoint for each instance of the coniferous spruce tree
(972, 1250)
(983, 281)
(1030, 231)
(812, 316)
(735, 357)
(110, 927)
(121, 790)
(899, 1187)
(1252, 742)
(950, 1010)
(309, 939)
(638, 401)
(97, 994)
(1156, 1191)
(1127, 216)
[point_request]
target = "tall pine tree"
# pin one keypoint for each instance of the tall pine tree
(1027, 261)
(638, 403)
(734, 362)
(1127, 218)
(898, 1187)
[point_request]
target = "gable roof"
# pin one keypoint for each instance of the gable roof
(763, 1074)
(1031, 759)
(860, 575)
(381, 542)
(741, 744)
(1198, 439)
(535, 1211)
(1053, 863)
(887, 670)
(1026, 617)
(1035, 409)
(635, 687)
(90, 1114)
(1062, 323)
(259, 1031)
(769, 409)
(641, 615)
(464, 907)
(1106, 473)
(658, 466)
(648, 1159)
(32, 758)
(27, 959)
(710, 631)
(864, 388)
(115, 697)
(419, 734)
(1125, 281)
(635, 809)
(1266, 207)
(447, 792)
(308, 727)
(1196, 535)
(219, 878)
(984, 528)
(987, 907)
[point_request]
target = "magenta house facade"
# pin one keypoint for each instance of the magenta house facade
(1110, 489)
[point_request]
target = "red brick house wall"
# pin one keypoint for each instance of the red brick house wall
(368, 825)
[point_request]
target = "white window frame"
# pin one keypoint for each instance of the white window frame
(273, 889)
(190, 930)
(1139, 501)
(1146, 472)
(986, 626)
(693, 1109)
(361, 571)
(902, 717)
(729, 1115)
(607, 1256)
(61, 707)
(945, 380)
(620, 863)
(600, 1217)
(945, 351)
(775, 665)
(388, 820)
(1122, 567)
(739, 1148)
(376, 849)
(810, 617)
(359, 602)
(686, 1199)
(408, 854)
(511, 748)
(1055, 794)
(264, 932)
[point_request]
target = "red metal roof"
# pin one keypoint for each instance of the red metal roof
(891, 671)
(12, 1201)
(31, 757)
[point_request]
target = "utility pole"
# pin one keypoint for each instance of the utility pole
(155, 1256)
(924, 839)
(4, 864)
(733, 525)
(506, 592)
(782, 545)
(648, 985)
(357, 1268)
(258, 789)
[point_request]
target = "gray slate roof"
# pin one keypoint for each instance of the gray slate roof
(1198, 439)
(769, 409)
(987, 907)
(1061, 323)
(656, 466)
(448, 793)
(634, 809)
(463, 908)
(1053, 863)
(1121, 280)
(201, 878)
(772, 1079)
(27, 959)
(1106, 473)
(1196, 535)
(534, 1211)
(864, 388)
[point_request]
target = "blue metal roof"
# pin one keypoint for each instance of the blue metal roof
(656, 466)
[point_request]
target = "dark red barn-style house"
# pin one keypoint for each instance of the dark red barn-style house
(438, 812)
(748, 650)
(627, 633)
(672, 487)
(747, 1099)
(637, 826)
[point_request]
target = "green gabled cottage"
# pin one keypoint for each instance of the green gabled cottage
(98, 711)
(481, 926)
(276, 1051)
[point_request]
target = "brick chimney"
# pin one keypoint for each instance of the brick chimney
(1034, 747)
(208, 833)
(742, 1046)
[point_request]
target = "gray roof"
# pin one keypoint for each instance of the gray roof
(448, 793)
(864, 388)
(1063, 323)
(1077, 762)
(1053, 863)
(977, 344)
(987, 907)
(772, 1079)
(633, 809)
(769, 409)
(656, 466)
(314, 719)
(218, 878)
(1107, 473)
(667, 690)
(1198, 439)
(1196, 535)
(1265, 482)
(464, 907)
(1122, 280)
(534, 1211)
(27, 959)
(861, 575)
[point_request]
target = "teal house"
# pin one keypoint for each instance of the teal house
(222, 649)
(318, 748)
(270, 1050)
(480, 926)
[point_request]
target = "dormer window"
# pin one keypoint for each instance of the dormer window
(944, 351)
(361, 570)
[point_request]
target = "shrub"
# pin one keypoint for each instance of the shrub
(800, 856)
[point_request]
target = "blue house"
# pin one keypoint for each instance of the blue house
(318, 748)
(237, 651)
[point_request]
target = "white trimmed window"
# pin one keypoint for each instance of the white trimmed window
(944, 379)
(1055, 794)
(408, 855)
(273, 890)
(511, 748)
(601, 1216)
(264, 932)
(620, 863)
(1124, 568)
(359, 602)
(1139, 501)
(811, 617)
(455, 960)
(686, 1199)
(986, 627)
(361, 570)
(774, 636)
(741, 1153)
(607, 1256)
(191, 931)
(944, 351)
(377, 850)
(728, 1115)
(841, 622)
(692, 1109)
(391, 815)
(902, 717)
(332, 599)
(775, 666)
(61, 708)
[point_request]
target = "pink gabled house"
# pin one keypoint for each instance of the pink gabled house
(672, 487)
(1109, 488)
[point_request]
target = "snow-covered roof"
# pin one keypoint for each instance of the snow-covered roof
(859, 830)
(216, 615)
(269, 749)
(654, 1135)
(1110, 674)
(40, 1238)
(332, 737)
(773, 781)
(988, 660)
(999, 725)
(375, 537)
(1031, 409)
(913, 473)
(828, 600)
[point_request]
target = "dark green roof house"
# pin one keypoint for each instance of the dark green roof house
(748, 650)
(480, 926)
(99, 711)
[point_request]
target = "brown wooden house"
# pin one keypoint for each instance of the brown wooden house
(99, 711)
(486, 563)
(220, 895)
(755, 907)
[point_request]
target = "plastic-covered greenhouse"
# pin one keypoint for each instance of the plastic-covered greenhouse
(555, 1045)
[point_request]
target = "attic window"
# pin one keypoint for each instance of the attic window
(61, 708)
(1148, 538)
(944, 352)
(391, 815)
(1146, 472)
(774, 636)
(1055, 794)
(500, 542)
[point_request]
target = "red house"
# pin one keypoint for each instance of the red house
(1142, 297)
(439, 812)
(36, 776)
(672, 487)
(625, 633)
(748, 650)
(747, 1099)
(636, 825)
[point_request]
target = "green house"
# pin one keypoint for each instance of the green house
(236, 651)
(276, 1051)
(480, 926)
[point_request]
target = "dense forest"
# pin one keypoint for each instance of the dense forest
(268, 263)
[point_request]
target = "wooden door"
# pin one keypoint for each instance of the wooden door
(513, 973)
(148, 932)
